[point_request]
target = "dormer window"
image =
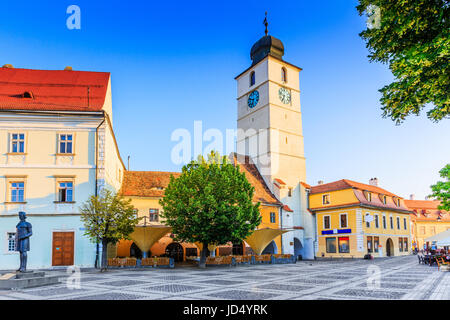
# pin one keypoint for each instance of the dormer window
(252, 78)
(368, 196)
(283, 74)
(28, 95)
(397, 201)
(326, 199)
(384, 199)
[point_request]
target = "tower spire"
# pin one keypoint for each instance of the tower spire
(266, 24)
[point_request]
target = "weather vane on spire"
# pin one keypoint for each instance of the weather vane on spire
(266, 24)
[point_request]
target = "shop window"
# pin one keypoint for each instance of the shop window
(331, 245)
(405, 244)
(369, 245)
(400, 244)
(344, 245)
(376, 244)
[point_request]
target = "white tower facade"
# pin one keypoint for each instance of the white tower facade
(270, 132)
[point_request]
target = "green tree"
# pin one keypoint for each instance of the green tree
(441, 190)
(413, 38)
(108, 218)
(210, 203)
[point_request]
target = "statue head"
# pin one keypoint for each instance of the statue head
(22, 216)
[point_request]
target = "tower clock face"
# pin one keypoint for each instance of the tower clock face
(253, 99)
(284, 95)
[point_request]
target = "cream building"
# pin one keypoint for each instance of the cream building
(57, 148)
(270, 132)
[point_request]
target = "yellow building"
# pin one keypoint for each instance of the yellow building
(426, 221)
(354, 219)
(146, 188)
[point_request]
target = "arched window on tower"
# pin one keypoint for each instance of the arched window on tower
(283, 74)
(252, 78)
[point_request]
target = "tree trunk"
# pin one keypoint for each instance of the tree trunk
(104, 254)
(203, 253)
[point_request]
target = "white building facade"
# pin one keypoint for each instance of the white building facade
(270, 131)
(57, 148)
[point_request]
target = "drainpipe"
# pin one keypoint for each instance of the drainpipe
(97, 248)
(281, 225)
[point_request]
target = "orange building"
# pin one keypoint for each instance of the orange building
(426, 221)
(146, 188)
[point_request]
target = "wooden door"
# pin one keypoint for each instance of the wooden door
(63, 248)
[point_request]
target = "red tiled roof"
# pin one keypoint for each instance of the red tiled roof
(427, 210)
(279, 181)
(286, 208)
(347, 184)
(262, 192)
(146, 183)
(358, 189)
(52, 90)
(305, 185)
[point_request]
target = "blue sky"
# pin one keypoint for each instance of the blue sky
(174, 62)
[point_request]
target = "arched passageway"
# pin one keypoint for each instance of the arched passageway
(271, 248)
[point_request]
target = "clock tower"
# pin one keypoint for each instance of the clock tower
(269, 123)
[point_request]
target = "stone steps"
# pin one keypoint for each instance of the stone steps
(13, 281)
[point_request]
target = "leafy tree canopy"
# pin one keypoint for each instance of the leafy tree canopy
(211, 203)
(108, 218)
(413, 37)
(441, 190)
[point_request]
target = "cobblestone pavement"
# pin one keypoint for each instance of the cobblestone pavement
(390, 278)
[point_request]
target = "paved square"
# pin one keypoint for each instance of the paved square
(387, 278)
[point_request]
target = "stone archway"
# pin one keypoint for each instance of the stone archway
(389, 248)
(175, 251)
(135, 252)
(271, 248)
(297, 247)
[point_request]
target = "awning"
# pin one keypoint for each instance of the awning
(146, 236)
(261, 238)
(439, 236)
(443, 243)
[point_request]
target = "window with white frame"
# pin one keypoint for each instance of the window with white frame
(17, 191)
(398, 223)
(11, 238)
(273, 217)
(326, 222)
(377, 223)
(154, 214)
(405, 224)
(384, 222)
(343, 220)
(65, 191)
(65, 144)
(17, 142)
(326, 199)
(391, 221)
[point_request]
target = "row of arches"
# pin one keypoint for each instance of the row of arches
(179, 252)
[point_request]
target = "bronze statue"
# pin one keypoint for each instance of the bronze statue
(23, 234)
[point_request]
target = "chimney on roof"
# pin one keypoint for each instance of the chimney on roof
(320, 182)
(68, 68)
(373, 182)
(411, 197)
(9, 66)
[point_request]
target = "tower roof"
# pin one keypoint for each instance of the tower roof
(266, 46)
